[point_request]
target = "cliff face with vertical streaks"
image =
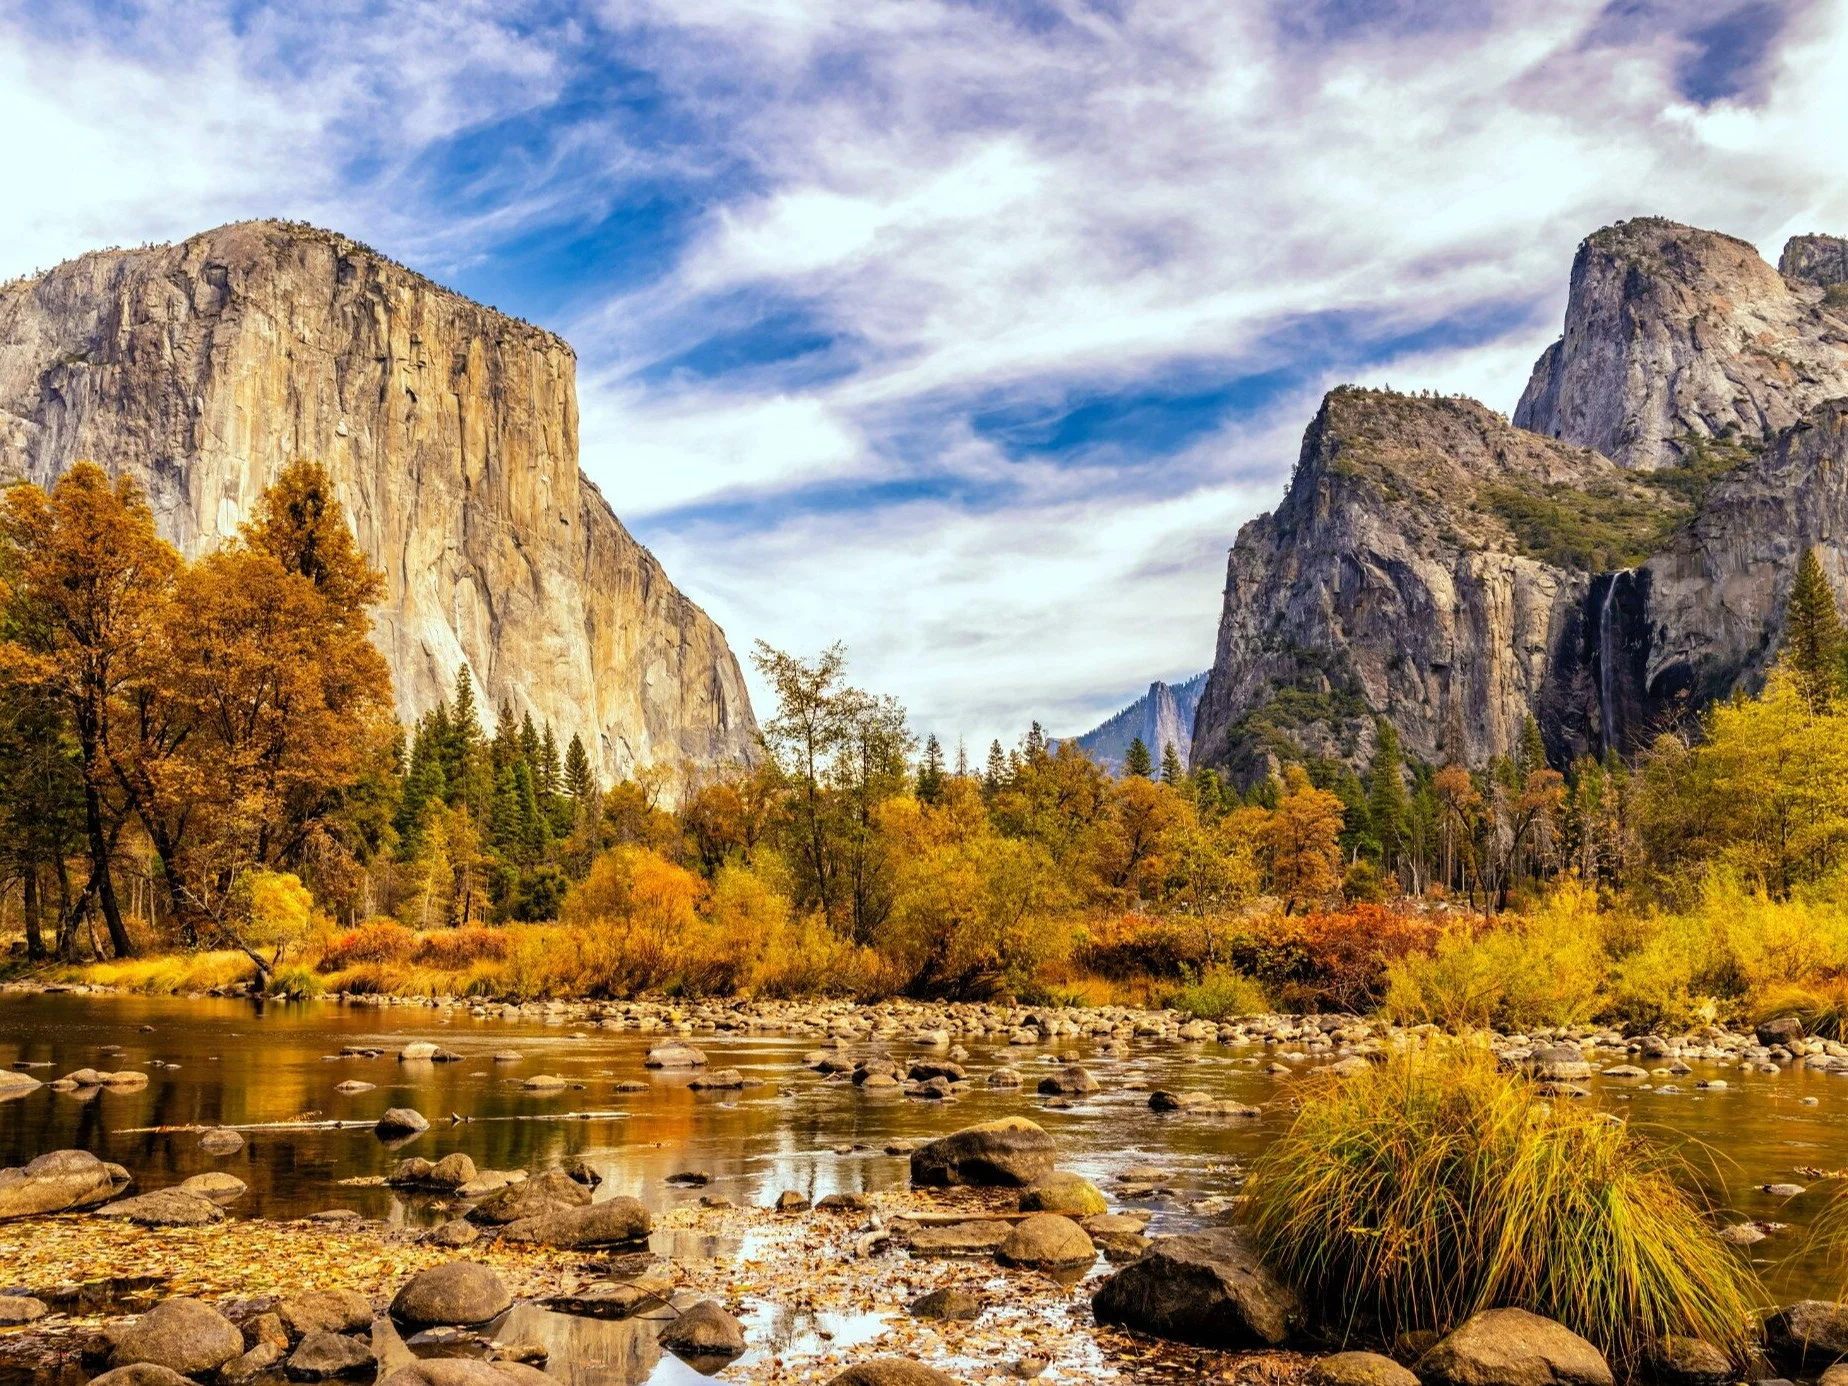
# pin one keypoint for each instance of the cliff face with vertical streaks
(200, 369)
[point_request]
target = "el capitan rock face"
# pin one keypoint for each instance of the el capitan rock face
(202, 368)
(1615, 563)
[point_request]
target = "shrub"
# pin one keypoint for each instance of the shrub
(1425, 1189)
(296, 981)
(455, 950)
(1223, 992)
(375, 941)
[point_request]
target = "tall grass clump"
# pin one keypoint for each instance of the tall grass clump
(1222, 992)
(1434, 1186)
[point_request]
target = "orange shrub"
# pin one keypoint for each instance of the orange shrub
(452, 950)
(375, 941)
(1334, 961)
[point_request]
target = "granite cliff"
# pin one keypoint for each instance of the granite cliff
(1163, 716)
(200, 369)
(1609, 563)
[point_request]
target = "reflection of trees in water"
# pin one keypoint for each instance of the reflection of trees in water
(590, 1352)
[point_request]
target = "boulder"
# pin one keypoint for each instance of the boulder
(1010, 1151)
(59, 1181)
(1785, 1030)
(1359, 1369)
(216, 1185)
(324, 1311)
(554, 1191)
(704, 1330)
(614, 1222)
(791, 1201)
(892, 1371)
(141, 1374)
(718, 1080)
(1206, 1288)
(1677, 1361)
(1809, 1331)
(400, 1121)
(252, 1364)
(1122, 1237)
(978, 1237)
(675, 1054)
(1070, 1081)
(266, 1328)
(18, 1309)
(1063, 1192)
(164, 1208)
(1511, 1347)
(1163, 1101)
(949, 1302)
(324, 1356)
(1046, 1241)
(613, 1299)
(220, 1141)
(462, 1292)
(180, 1334)
(15, 1084)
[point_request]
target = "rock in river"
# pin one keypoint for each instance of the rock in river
(58, 1182)
(462, 1292)
(1070, 1081)
(329, 1311)
(324, 1356)
(401, 1121)
(467, 1371)
(1809, 1331)
(215, 1185)
(181, 1335)
(165, 1208)
(675, 1054)
(614, 1222)
(1047, 1241)
(1063, 1192)
(705, 1330)
(140, 1374)
(1206, 1288)
(1010, 1151)
(554, 1191)
(949, 1303)
(1359, 1369)
(1511, 1347)
(18, 1309)
(892, 1371)
(1679, 1361)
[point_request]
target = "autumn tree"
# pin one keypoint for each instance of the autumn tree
(1302, 837)
(90, 585)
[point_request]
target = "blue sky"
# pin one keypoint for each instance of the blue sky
(966, 332)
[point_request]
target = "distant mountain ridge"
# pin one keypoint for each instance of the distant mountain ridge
(1162, 716)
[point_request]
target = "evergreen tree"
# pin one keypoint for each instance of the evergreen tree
(549, 774)
(464, 752)
(1814, 644)
(580, 782)
(930, 770)
(1531, 758)
(529, 742)
(1171, 772)
(1209, 794)
(1036, 743)
(995, 776)
(1388, 805)
(534, 830)
(1136, 760)
(962, 759)
(506, 744)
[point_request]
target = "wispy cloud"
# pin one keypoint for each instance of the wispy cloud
(967, 332)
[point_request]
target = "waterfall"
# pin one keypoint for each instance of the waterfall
(1607, 667)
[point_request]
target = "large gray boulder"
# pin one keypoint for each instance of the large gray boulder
(324, 1356)
(674, 1054)
(400, 1122)
(58, 1182)
(461, 1292)
(179, 1334)
(165, 1208)
(1047, 1241)
(551, 1192)
(1207, 1288)
(703, 1330)
(1009, 1152)
(1809, 1331)
(614, 1222)
(1511, 1347)
(324, 1311)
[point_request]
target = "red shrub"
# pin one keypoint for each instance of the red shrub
(375, 941)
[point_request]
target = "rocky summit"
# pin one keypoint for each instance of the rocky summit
(1610, 562)
(451, 431)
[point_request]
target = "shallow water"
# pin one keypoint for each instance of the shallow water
(241, 1063)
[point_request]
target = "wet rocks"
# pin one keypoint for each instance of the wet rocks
(949, 1303)
(1785, 1031)
(221, 1188)
(352, 1087)
(165, 1208)
(449, 1174)
(544, 1082)
(703, 1331)
(14, 1084)
(617, 1299)
(790, 1201)
(461, 1292)
(1807, 1332)
(457, 1232)
(59, 1181)
(325, 1356)
(675, 1054)
(422, 1051)
(1046, 1241)
(980, 1237)
(1206, 1288)
(718, 1080)
(1511, 1347)
(1120, 1235)
(554, 1191)
(1677, 1361)
(221, 1141)
(140, 1374)
(18, 1309)
(1162, 1100)
(179, 1334)
(614, 1222)
(1063, 1192)
(1010, 1151)
(328, 1311)
(1359, 1369)
(398, 1122)
(466, 1371)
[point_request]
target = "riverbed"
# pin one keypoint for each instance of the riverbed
(267, 1067)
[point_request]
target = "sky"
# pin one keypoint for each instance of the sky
(965, 333)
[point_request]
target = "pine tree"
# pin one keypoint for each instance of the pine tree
(1136, 760)
(1814, 643)
(962, 759)
(464, 750)
(1209, 794)
(547, 770)
(1036, 743)
(995, 776)
(529, 742)
(1531, 758)
(580, 783)
(1387, 802)
(930, 770)
(1171, 772)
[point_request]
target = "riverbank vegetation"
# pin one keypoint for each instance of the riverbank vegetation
(199, 764)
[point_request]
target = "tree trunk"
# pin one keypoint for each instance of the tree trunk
(119, 940)
(67, 914)
(30, 908)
